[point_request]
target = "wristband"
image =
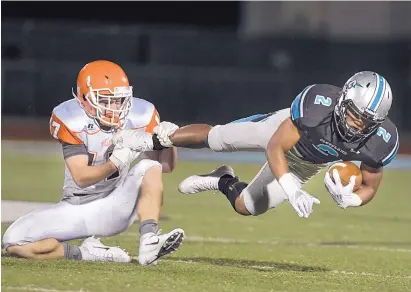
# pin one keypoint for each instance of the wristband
(156, 143)
(289, 184)
(356, 200)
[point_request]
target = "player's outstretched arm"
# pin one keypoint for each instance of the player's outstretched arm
(371, 179)
(286, 136)
(191, 136)
(84, 175)
(165, 135)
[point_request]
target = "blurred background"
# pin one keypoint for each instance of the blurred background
(200, 61)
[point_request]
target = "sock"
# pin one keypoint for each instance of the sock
(231, 187)
(72, 252)
(147, 226)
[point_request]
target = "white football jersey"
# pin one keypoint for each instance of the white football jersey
(71, 125)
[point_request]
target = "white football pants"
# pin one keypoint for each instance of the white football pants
(263, 192)
(103, 217)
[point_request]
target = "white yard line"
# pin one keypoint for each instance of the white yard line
(369, 274)
(11, 210)
(201, 239)
(39, 289)
(371, 248)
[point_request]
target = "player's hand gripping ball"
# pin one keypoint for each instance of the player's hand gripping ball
(346, 169)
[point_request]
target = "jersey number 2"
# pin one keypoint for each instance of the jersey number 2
(384, 134)
(323, 100)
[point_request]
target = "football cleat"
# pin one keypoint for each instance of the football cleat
(93, 250)
(156, 245)
(205, 182)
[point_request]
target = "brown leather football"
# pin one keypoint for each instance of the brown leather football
(346, 169)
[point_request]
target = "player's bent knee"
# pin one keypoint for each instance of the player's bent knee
(240, 207)
(146, 164)
(152, 174)
(145, 174)
(235, 198)
(255, 205)
(12, 237)
(7, 243)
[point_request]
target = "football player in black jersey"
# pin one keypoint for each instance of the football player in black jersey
(324, 124)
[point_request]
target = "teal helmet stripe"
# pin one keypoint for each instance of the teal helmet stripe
(378, 97)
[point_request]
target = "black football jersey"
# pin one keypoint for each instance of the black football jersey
(312, 113)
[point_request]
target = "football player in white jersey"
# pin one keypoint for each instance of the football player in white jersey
(103, 191)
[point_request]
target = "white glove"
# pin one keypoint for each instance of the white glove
(136, 140)
(301, 201)
(123, 157)
(163, 131)
(342, 195)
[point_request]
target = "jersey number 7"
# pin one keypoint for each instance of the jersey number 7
(56, 127)
(92, 156)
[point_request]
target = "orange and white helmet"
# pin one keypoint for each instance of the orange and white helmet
(99, 84)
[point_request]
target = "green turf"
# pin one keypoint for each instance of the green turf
(358, 249)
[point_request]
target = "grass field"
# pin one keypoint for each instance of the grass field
(362, 249)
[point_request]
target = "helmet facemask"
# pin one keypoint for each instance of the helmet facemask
(111, 107)
(351, 134)
(365, 98)
(105, 102)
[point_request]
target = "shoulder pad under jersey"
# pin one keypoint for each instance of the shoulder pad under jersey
(68, 121)
(314, 104)
(384, 143)
(143, 114)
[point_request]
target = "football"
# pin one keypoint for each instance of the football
(346, 169)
